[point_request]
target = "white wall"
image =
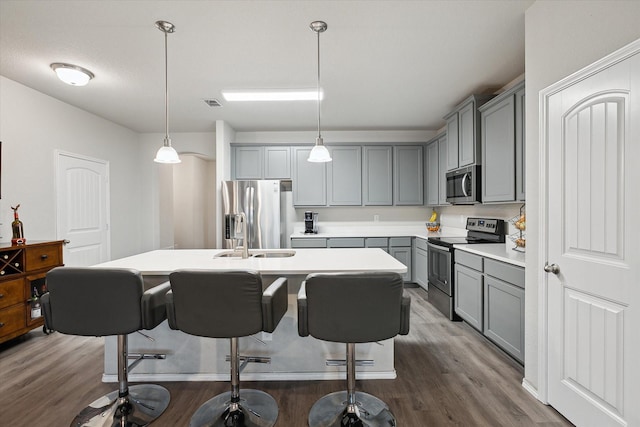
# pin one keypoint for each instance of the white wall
(156, 180)
(32, 126)
(561, 37)
(194, 203)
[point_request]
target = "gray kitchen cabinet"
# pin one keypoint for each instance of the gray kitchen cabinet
(344, 176)
(504, 307)
(377, 242)
(377, 176)
(498, 136)
(400, 249)
(436, 171)
(463, 133)
(261, 162)
(520, 145)
(420, 262)
(309, 179)
(277, 162)
(248, 162)
(345, 242)
(452, 141)
(442, 171)
(432, 173)
(309, 242)
(468, 288)
(408, 175)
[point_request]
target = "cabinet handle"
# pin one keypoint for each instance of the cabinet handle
(44, 256)
(1, 295)
(1, 324)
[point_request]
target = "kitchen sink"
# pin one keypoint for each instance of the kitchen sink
(270, 254)
(229, 254)
(274, 254)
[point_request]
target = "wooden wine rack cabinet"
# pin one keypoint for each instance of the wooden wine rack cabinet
(23, 268)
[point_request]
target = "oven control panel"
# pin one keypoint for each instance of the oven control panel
(486, 225)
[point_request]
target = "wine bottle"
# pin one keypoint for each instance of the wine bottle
(17, 228)
(36, 309)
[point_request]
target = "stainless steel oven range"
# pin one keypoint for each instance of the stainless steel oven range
(441, 260)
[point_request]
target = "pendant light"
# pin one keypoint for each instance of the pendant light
(319, 153)
(166, 153)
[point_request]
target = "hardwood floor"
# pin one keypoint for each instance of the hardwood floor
(448, 375)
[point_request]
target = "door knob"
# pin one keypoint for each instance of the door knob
(552, 268)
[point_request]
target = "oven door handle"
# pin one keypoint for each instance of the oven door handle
(437, 247)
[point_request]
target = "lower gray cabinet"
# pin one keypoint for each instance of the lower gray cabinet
(489, 296)
(377, 242)
(420, 262)
(468, 290)
(400, 249)
(309, 243)
(345, 242)
(504, 307)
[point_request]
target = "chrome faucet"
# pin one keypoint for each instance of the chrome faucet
(245, 245)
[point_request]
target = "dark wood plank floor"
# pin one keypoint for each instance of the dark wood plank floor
(448, 375)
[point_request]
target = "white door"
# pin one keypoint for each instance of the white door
(82, 206)
(592, 237)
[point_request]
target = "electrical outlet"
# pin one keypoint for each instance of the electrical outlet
(376, 218)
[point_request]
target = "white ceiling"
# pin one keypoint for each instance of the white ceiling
(385, 65)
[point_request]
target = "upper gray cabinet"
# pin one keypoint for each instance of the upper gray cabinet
(499, 138)
(309, 180)
(432, 173)
(344, 175)
(377, 176)
(277, 162)
(436, 171)
(261, 162)
(407, 175)
(520, 145)
(442, 172)
(463, 138)
(247, 162)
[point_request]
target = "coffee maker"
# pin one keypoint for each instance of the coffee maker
(310, 222)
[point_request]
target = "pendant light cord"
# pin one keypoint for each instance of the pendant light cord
(166, 90)
(318, 85)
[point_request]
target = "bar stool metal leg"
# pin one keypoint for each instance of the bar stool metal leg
(134, 406)
(237, 408)
(342, 409)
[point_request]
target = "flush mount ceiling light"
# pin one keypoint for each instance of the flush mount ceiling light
(166, 153)
(319, 153)
(72, 74)
(271, 95)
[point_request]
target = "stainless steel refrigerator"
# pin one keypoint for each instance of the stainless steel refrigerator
(268, 207)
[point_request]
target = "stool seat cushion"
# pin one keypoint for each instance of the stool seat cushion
(94, 301)
(353, 307)
(221, 304)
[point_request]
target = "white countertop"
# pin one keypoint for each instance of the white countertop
(163, 262)
(501, 252)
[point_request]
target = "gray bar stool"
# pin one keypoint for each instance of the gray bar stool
(228, 304)
(352, 308)
(101, 302)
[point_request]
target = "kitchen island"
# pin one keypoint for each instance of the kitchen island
(191, 358)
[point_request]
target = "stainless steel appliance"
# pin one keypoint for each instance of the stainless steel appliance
(310, 222)
(463, 186)
(442, 258)
(268, 208)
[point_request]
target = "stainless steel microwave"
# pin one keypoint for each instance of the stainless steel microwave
(463, 186)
